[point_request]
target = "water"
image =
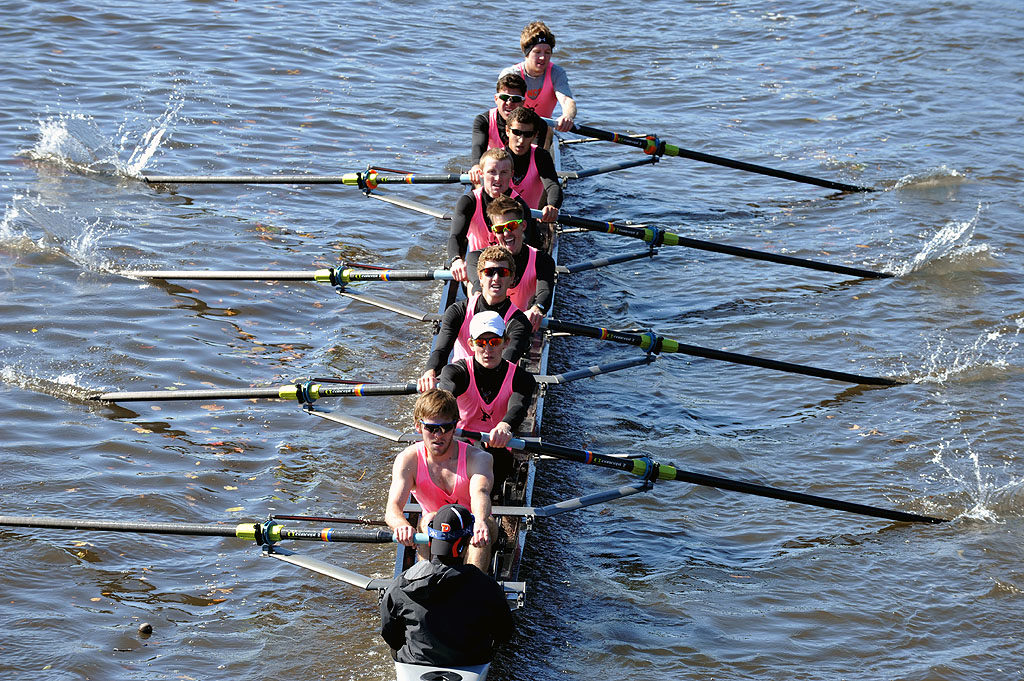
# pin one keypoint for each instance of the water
(684, 582)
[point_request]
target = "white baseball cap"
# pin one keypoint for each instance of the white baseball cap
(486, 322)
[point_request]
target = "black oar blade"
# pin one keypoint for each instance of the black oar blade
(657, 344)
(660, 237)
(795, 497)
(654, 146)
(775, 365)
(651, 470)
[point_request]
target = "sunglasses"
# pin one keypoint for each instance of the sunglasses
(437, 428)
(502, 227)
(496, 272)
(522, 133)
(506, 97)
(484, 342)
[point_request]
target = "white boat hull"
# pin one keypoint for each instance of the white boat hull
(417, 672)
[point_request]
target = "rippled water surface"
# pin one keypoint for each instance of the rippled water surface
(921, 102)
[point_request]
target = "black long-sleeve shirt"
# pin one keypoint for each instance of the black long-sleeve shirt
(455, 379)
(545, 275)
(482, 134)
(458, 236)
(517, 330)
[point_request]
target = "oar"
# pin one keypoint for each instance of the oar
(335, 276)
(304, 392)
(657, 344)
(364, 180)
(660, 237)
(656, 147)
(646, 468)
(261, 533)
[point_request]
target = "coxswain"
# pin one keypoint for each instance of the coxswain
(533, 171)
(441, 612)
(495, 269)
(489, 127)
(493, 394)
(440, 470)
(546, 83)
(534, 282)
(470, 230)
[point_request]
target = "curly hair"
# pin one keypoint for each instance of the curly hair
(536, 32)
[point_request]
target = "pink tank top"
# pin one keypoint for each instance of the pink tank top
(477, 235)
(477, 415)
(462, 349)
(428, 494)
(527, 286)
(493, 137)
(530, 187)
(543, 100)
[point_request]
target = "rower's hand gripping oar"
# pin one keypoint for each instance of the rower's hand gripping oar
(659, 237)
(656, 344)
(653, 146)
(264, 534)
(652, 471)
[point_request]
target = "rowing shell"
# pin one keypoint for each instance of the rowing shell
(517, 491)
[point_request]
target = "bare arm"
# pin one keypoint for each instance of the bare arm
(568, 104)
(403, 478)
(480, 467)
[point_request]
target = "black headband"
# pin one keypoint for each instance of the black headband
(535, 41)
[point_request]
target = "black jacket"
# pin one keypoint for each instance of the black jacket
(445, 616)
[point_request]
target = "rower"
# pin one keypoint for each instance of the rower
(489, 127)
(546, 83)
(493, 394)
(534, 281)
(533, 171)
(443, 613)
(470, 225)
(495, 269)
(440, 470)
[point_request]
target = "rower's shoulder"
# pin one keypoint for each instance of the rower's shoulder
(478, 458)
(515, 68)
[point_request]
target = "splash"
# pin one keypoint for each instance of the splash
(74, 141)
(952, 243)
(985, 497)
(943, 176)
(984, 359)
(63, 386)
(75, 239)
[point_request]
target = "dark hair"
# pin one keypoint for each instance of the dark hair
(511, 81)
(524, 114)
